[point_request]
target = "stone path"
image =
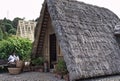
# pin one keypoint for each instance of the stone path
(29, 76)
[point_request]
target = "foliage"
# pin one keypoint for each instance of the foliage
(12, 31)
(7, 43)
(5, 35)
(37, 19)
(38, 61)
(61, 67)
(22, 47)
(9, 27)
(15, 22)
(1, 34)
(5, 26)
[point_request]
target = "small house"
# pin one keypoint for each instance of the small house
(81, 34)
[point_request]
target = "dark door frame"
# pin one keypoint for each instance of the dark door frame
(52, 50)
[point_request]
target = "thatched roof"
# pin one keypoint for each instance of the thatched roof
(86, 37)
(106, 78)
(117, 29)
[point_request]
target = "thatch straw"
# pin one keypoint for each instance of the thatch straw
(86, 37)
(106, 78)
(117, 29)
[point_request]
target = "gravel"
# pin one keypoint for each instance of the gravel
(29, 76)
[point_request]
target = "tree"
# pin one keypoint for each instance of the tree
(37, 19)
(15, 22)
(12, 31)
(7, 21)
(1, 34)
(8, 27)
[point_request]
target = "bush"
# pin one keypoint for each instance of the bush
(1, 34)
(22, 47)
(61, 67)
(38, 61)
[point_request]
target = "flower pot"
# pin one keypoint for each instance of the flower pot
(40, 70)
(66, 77)
(19, 64)
(27, 64)
(57, 75)
(14, 70)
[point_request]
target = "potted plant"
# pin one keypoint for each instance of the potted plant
(26, 60)
(61, 69)
(38, 64)
(26, 57)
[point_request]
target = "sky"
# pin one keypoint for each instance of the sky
(30, 9)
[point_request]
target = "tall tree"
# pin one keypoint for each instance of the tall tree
(8, 27)
(1, 34)
(12, 31)
(15, 22)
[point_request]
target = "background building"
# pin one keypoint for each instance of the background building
(26, 29)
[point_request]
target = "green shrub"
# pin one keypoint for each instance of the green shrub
(1, 34)
(61, 67)
(38, 61)
(22, 47)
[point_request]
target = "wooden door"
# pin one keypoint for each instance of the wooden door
(53, 55)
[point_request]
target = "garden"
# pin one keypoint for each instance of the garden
(21, 46)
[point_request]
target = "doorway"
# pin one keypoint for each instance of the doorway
(53, 55)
